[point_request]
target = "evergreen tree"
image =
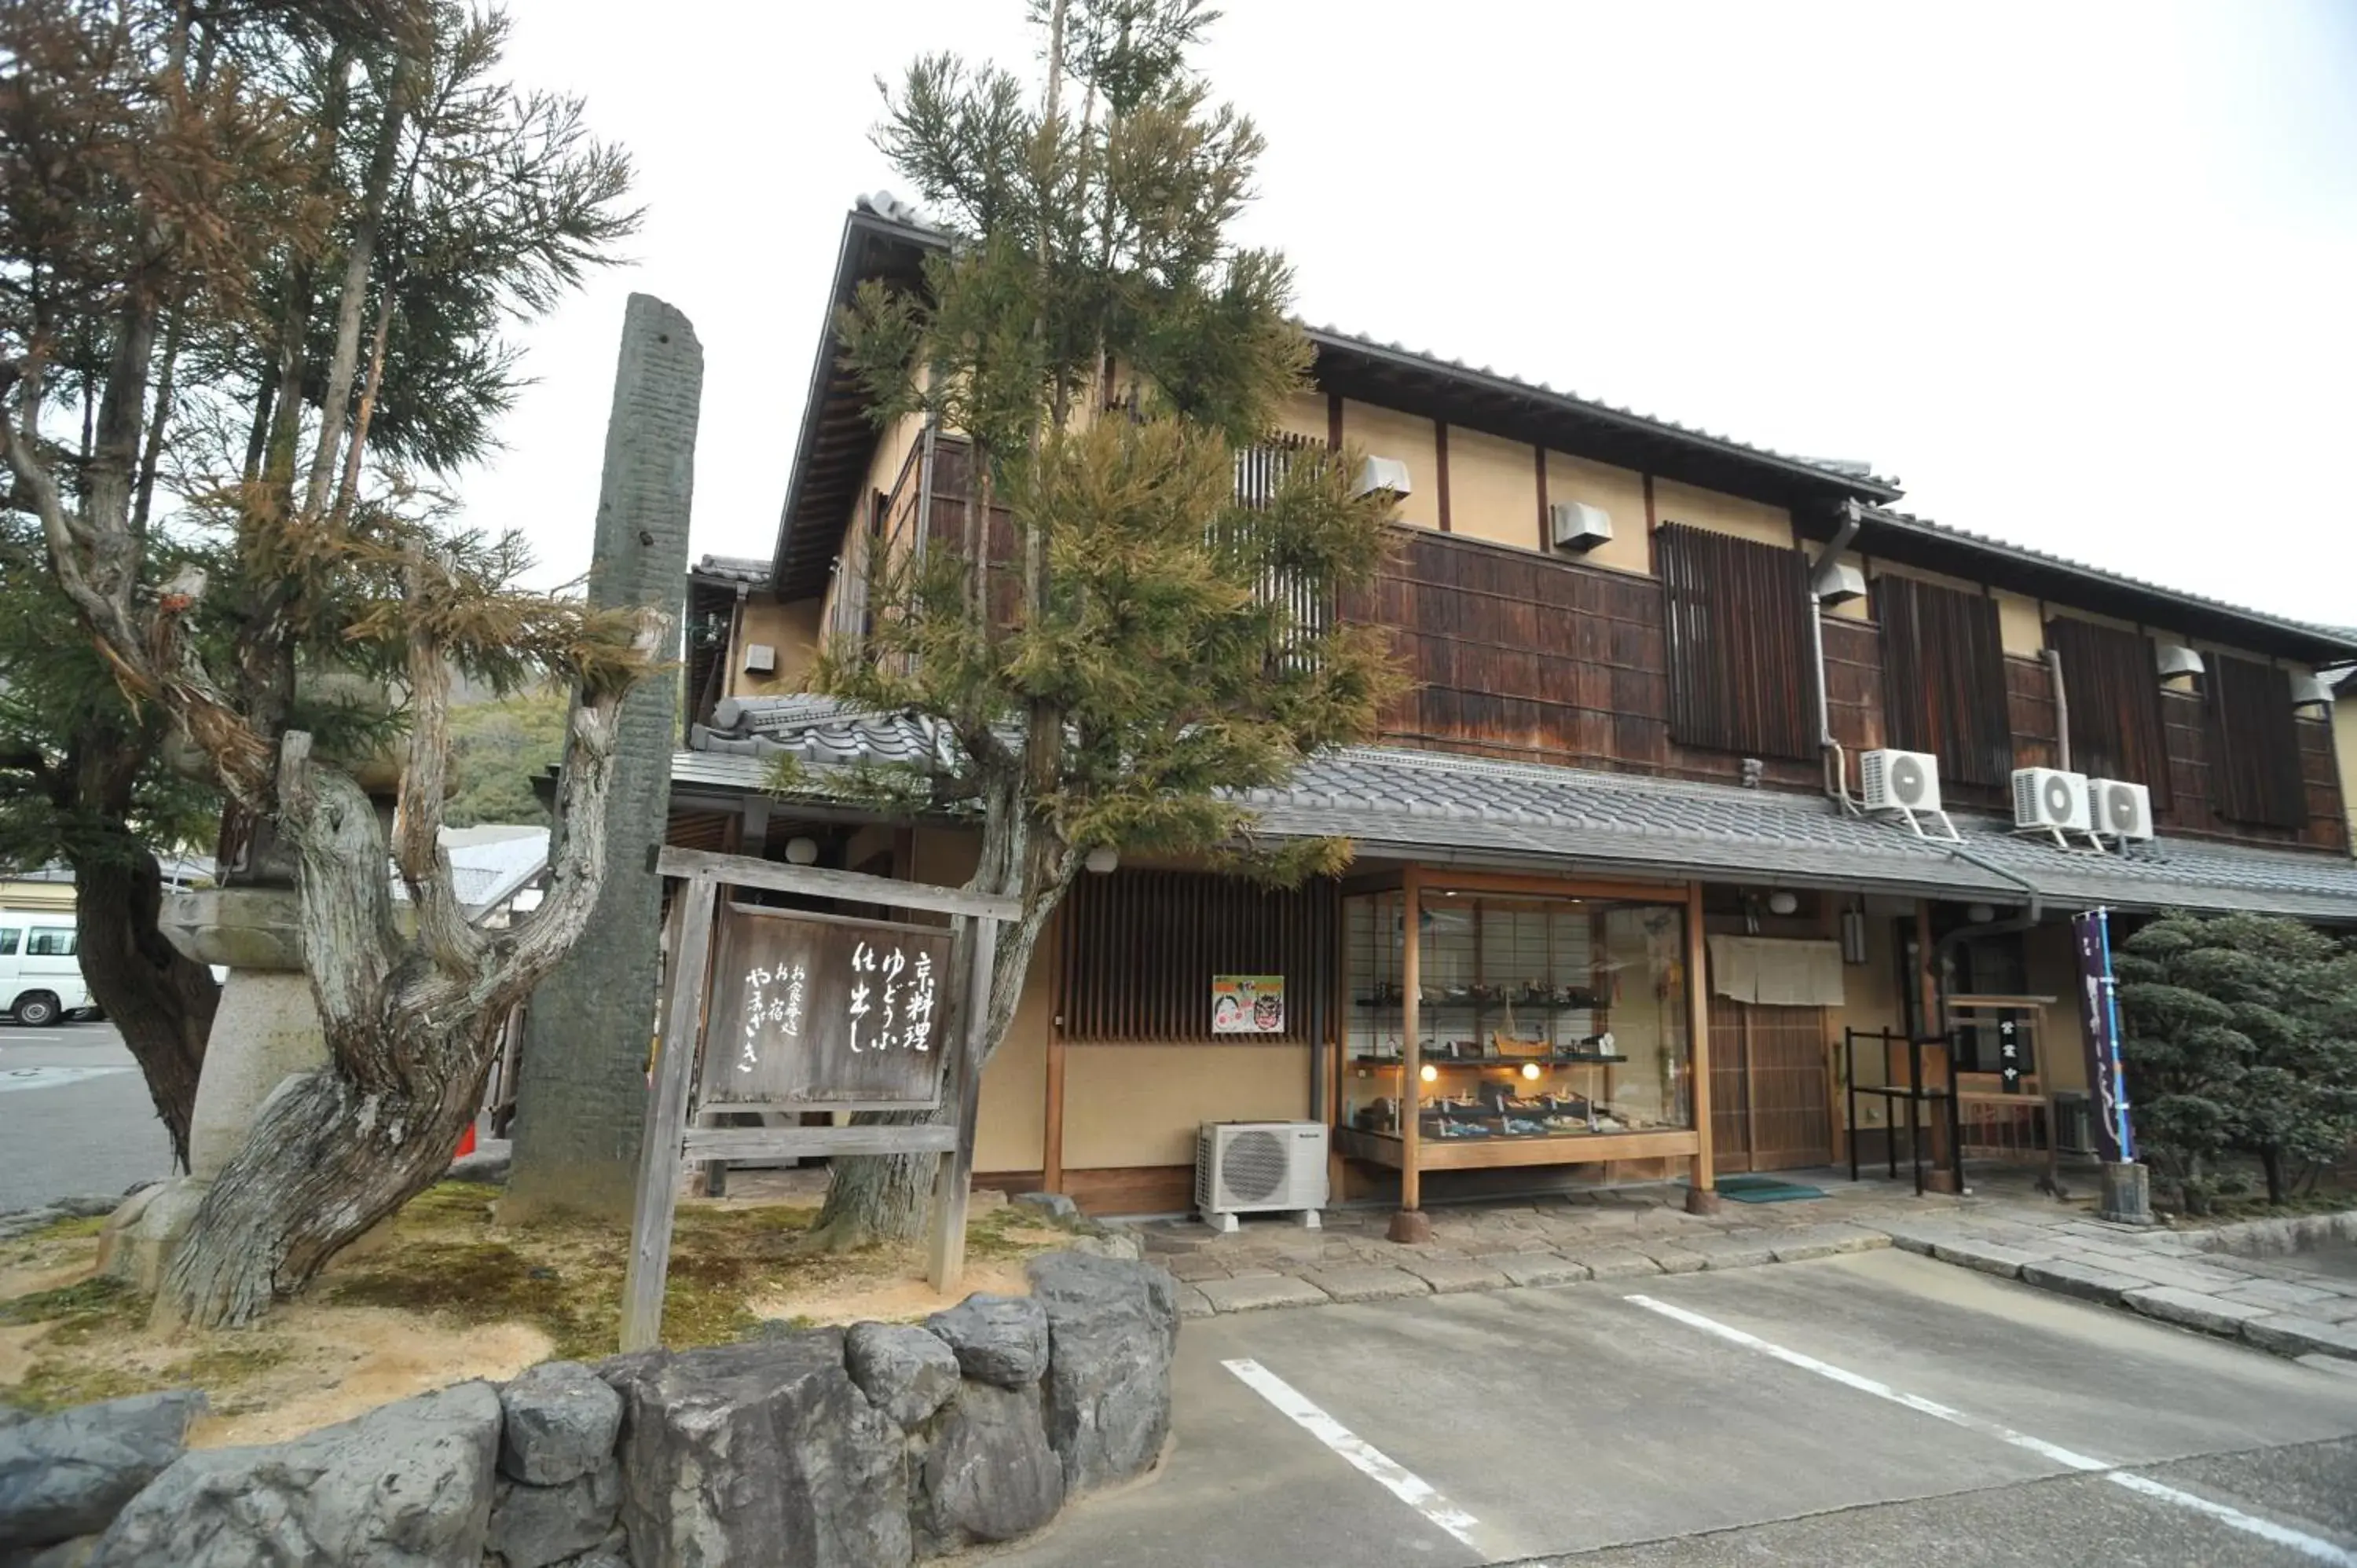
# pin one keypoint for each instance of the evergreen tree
(2240, 1037)
(1118, 645)
(224, 233)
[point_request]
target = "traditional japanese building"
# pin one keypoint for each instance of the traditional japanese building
(1638, 810)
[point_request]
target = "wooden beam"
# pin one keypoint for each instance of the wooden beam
(1440, 877)
(1440, 470)
(954, 1174)
(666, 1122)
(1333, 422)
(755, 1143)
(1546, 532)
(814, 882)
(1704, 1175)
(1411, 1047)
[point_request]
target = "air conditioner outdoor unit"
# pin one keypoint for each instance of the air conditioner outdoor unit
(1245, 1167)
(2050, 797)
(1907, 783)
(1576, 525)
(1382, 474)
(2119, 810)
(1899, 780)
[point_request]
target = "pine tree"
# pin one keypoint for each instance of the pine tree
(2241, 1037)
(229, 233)
(1117, 643)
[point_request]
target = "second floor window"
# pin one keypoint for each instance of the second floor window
(1943, 677)
(2254, 770)
(1738, 644)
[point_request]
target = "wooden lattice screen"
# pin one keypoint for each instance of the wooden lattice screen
(2254, 772)
(1140, 949)
(2113, 688)
(1943, 679)
(1738, 643)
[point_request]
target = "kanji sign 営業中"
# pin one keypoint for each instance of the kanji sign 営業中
(817, 1009)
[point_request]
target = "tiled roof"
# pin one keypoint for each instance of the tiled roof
(733, 569)
(2329, 639)
(1440, 808)
(1840, 473)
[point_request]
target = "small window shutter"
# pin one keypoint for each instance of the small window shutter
(1740, 676)
(1943, 677)
(2254, 775)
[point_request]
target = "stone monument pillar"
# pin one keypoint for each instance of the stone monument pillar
(581, 1086)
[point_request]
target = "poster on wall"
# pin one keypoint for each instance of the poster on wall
(1248, 1004)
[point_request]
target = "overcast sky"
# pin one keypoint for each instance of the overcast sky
(2081, 276)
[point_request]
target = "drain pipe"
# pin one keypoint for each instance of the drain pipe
(1851, 520)
(2061, 709)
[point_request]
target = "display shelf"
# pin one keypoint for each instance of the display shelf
(1478, 1154)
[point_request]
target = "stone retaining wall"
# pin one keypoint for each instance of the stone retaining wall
(866, 1447)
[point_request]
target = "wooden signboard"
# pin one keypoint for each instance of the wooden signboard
(813, 1011)
(819, 1009)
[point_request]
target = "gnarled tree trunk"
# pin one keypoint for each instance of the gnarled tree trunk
(161, 1002)
(411, 1023)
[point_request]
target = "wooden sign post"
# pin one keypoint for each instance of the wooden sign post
(808, 1012)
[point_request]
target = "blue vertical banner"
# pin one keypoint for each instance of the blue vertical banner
(2099, 1012)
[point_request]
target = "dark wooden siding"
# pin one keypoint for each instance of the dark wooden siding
(1140, 949)
(2255, 762)
(1516, 655)
(1943, 679)
(1739, 663)
(2114, 686)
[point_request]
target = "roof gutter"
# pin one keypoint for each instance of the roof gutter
(1851, 520)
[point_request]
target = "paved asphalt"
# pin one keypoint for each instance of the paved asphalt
(74, 1115)
(1576, 1426)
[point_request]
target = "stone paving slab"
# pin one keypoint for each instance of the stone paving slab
(2289, 1334)
(1676, 1260)
(2088, 1281)
(2280, 1294)
(1988, 1257)
(1193, 1302)
(1261, 1292)
(1732, 1252)
(1367, 1282)
(1828, 1240)
(2193, 1309)
(1618, 1266)
(1447, 1274)
(1541, 1269)
(2181, 1274)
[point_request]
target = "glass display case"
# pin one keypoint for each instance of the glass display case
(1540, 1026)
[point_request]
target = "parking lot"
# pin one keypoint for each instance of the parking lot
(75, 1117)
(1876, 1407)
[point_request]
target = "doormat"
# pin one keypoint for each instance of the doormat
(1766, 1189)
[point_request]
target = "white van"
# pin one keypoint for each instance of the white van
(40, 978)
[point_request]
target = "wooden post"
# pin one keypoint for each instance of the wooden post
(1409, 1224)
(1702, 1190)
(954, 1174)
(657, 1201)
(1051, 1126)
(1934, 1128)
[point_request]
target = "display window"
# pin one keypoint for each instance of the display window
(1535, 1019)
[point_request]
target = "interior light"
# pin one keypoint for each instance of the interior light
(1981, 914)
(1531, 1071)
(1429, 1073)
(800, 850)
(1782, 902)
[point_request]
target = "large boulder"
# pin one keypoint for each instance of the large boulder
(1113, 1329)
(562, 1420)
(990, 1474)
(1000, 1340)
(70, 1474)
(534, 1526)
(758, 1453)
(405, 1486)
(905, 1372)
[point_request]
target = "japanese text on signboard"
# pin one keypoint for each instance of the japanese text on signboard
(818, 1009)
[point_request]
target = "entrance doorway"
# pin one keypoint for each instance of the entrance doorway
(1770, 1105)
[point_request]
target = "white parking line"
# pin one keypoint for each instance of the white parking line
(1371, 1461)
(50, 1077)
(2266, 1529)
